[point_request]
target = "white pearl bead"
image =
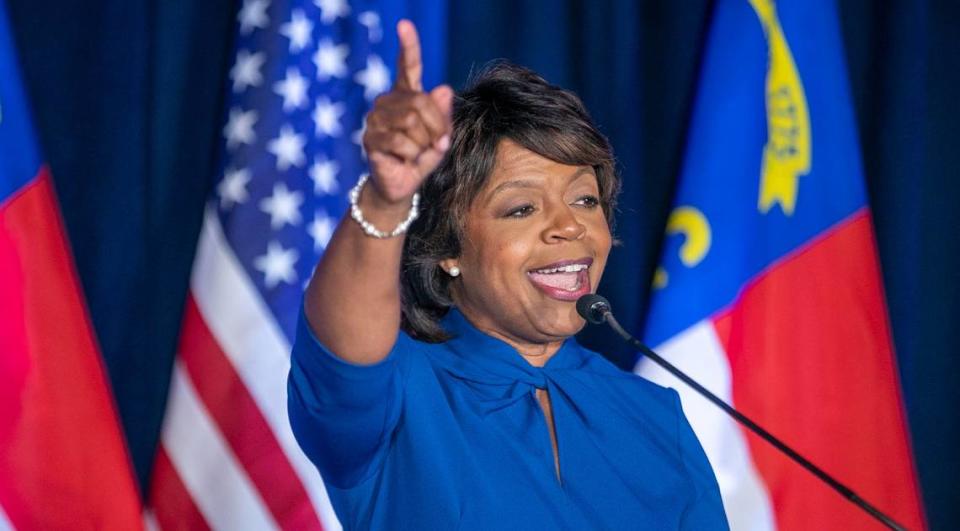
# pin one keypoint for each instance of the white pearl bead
(368, 227)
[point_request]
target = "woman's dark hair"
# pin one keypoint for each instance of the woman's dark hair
(502, 101)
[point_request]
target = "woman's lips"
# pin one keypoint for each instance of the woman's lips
(562, 286)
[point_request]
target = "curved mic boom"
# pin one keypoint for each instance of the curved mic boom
(596, 309)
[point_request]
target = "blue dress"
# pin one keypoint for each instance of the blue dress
(451, 436)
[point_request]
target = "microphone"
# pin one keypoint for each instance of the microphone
(595, 309)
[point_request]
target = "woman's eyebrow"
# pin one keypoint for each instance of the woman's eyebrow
(514, 183)
(534, 183)
(584, 170)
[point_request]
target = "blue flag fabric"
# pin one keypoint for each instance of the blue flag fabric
(724, 166)
(769, 288)
(298, 94)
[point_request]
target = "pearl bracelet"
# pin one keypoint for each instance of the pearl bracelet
(368, 227)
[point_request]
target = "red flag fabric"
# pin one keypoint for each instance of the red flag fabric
(769, 290)
(63, 462)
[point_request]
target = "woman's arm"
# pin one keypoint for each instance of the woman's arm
(353, 301)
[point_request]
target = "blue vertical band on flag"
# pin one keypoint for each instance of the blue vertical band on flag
(305, 73)
(772, 157)
(19, 158)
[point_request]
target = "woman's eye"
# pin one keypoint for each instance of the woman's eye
(520, 211)
(589, 201)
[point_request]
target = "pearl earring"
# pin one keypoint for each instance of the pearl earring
(454, 271)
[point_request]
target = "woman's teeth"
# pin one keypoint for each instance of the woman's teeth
(573, 268)
(565, 277)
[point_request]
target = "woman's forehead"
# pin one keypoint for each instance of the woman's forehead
(517, 163)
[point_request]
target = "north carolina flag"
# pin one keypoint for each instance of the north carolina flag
(769, 290)
(63, 463)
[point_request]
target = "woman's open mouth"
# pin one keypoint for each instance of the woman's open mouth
(567, 280)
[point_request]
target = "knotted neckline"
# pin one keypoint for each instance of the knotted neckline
(499, 385)
(486, 359)
(495, 369)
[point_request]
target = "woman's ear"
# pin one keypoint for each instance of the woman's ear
(450, 266)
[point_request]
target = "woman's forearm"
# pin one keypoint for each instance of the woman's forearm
(353, 301)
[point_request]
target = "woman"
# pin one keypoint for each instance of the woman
(435, 381)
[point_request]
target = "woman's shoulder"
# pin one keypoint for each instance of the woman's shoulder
(627, 385)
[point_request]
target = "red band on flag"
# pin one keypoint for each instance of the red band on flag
(63, 463)
(826, 382)
(172, 503)
(242, 424)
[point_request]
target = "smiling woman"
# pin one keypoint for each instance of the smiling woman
(435, 382)
(530, 170)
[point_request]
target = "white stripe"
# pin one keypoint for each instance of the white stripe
(260, 353)
(215, 480)
(5, 524)
(698, 352)
(150, 522)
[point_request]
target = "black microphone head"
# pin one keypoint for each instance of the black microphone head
(594, 308)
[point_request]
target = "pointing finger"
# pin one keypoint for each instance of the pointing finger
(442, 96)
(409, 64)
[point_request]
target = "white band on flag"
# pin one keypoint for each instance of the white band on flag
(5, 524)
(249, 336)
(150, 522)
(219, 486)
(697, 351)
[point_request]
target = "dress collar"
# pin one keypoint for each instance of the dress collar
(481, 358)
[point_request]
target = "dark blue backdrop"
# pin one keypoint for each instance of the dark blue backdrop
(127, 98)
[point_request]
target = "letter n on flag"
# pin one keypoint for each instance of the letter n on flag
(63, 463)
(769, 289)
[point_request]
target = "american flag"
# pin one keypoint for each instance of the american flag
(303, 76)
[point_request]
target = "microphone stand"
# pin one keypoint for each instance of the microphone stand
(598, 311)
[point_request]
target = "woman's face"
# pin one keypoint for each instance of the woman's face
(536, 239)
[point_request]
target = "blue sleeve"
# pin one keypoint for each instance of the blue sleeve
(705, 508)
(342, 414)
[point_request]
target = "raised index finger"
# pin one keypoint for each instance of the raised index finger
(409, 64)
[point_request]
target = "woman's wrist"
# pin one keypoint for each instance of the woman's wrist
(373, 200)
(379, 217)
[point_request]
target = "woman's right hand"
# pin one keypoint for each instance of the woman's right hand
(408, 130)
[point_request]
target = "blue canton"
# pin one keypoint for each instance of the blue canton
(303, 77)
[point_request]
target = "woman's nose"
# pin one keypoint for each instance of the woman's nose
(564, 226)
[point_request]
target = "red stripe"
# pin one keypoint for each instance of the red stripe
(242, 424)
(811, 360)
(170, 499)
(63, 461)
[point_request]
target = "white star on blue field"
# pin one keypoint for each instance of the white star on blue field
(303, 77)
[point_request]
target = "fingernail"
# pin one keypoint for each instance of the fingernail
(443, 143)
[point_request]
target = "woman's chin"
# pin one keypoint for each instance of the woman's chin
(561, 324)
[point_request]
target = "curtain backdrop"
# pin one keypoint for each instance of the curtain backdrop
(127, 97)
